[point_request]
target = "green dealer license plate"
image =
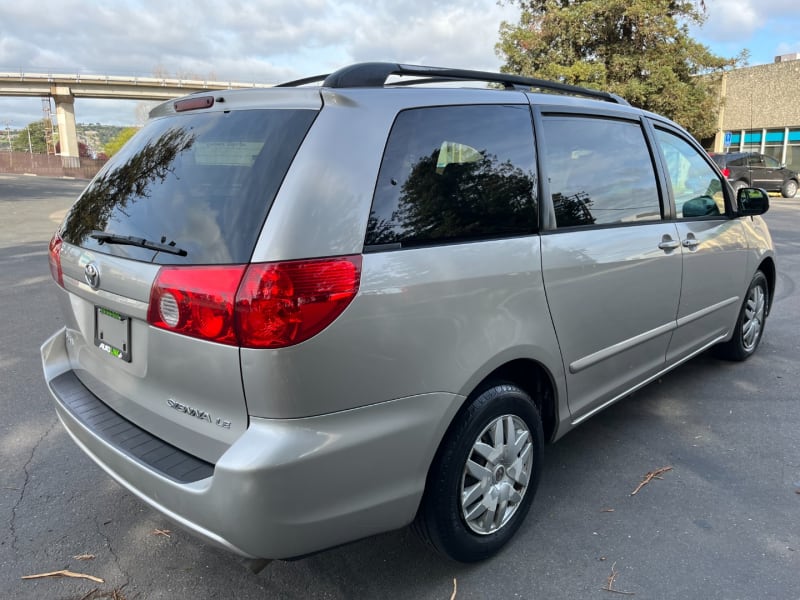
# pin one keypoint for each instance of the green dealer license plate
(112, 333)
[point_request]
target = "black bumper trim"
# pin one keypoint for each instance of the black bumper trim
(134, 441)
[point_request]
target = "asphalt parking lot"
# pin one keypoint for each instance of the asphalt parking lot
(723, 523)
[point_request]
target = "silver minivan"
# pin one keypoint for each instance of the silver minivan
(303, 315)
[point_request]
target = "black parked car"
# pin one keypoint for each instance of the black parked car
(751, 169)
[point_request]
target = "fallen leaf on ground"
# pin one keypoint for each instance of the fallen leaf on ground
(64, 573)
(84, 556)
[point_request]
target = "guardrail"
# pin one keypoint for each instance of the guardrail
(68, 78)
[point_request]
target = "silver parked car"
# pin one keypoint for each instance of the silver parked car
(303, 315)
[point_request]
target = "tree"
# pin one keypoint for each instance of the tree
(639, 49)
(114, 146)
(37, 144)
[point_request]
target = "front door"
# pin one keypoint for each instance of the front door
(713, 245)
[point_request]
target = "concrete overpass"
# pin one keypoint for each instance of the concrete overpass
(65, 88)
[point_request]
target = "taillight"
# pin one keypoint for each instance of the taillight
(282, 304)
(276, 305)
(54, 257)
(726, 172)
(196, 301)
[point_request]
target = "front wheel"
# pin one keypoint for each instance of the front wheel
(738, 185)
(750, 324)
(789, 189)
(484, 476)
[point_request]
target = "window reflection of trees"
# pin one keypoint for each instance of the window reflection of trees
(484, 197)
(114, 188)
(573, 210)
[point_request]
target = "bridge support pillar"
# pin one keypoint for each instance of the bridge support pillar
(67, 133)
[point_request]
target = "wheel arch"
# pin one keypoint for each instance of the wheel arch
(767, 267)
(534, 379)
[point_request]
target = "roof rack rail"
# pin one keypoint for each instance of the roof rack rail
(303, 81)
(374, 74)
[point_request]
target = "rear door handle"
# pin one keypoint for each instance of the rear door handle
(691, 243)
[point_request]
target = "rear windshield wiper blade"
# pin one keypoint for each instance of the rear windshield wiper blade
(129, 240)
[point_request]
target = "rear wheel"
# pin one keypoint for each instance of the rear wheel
(750, 324)
(789, 188)
(484, 476)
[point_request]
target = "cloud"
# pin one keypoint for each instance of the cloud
(737, 20)
(260, 41)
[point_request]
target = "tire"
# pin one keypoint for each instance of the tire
(475, 466)
(750, 324)
(789, 188)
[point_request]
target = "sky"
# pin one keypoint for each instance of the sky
(269, 41)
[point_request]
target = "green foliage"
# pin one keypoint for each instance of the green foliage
(38, 143)
(639, 49)
(114, 146)
(95, 135)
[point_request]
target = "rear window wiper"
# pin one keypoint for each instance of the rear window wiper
(129, 240)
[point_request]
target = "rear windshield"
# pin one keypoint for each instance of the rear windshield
(201, 183)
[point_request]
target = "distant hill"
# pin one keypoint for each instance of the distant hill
(95, 135)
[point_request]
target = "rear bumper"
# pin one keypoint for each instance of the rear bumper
(284, 488)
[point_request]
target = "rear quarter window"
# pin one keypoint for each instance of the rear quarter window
(204, 181)
(455, 173)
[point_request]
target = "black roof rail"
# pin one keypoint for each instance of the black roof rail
(374, 74)
(303, 81)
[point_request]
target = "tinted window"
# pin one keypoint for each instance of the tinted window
(737, 162)
(204, 181)
(695, 186)
(600, 172)
(771, 163)
(455, 173)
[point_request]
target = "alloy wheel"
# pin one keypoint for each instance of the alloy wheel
(496, 474)
(753, 317)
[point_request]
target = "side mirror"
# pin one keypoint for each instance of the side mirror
(752, 201)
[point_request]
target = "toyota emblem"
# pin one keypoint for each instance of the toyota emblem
(92, 275)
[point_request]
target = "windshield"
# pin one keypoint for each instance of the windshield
(203, 182)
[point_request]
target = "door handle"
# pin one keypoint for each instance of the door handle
(691, 243)
(668, 244)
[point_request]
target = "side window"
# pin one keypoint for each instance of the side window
(600, 172)
(771, 163)
(695, 185)
(455, 173)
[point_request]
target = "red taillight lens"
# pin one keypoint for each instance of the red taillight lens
(276, 305)
(282, 304)
(726, 172)
(54, 256)
(196, 301)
